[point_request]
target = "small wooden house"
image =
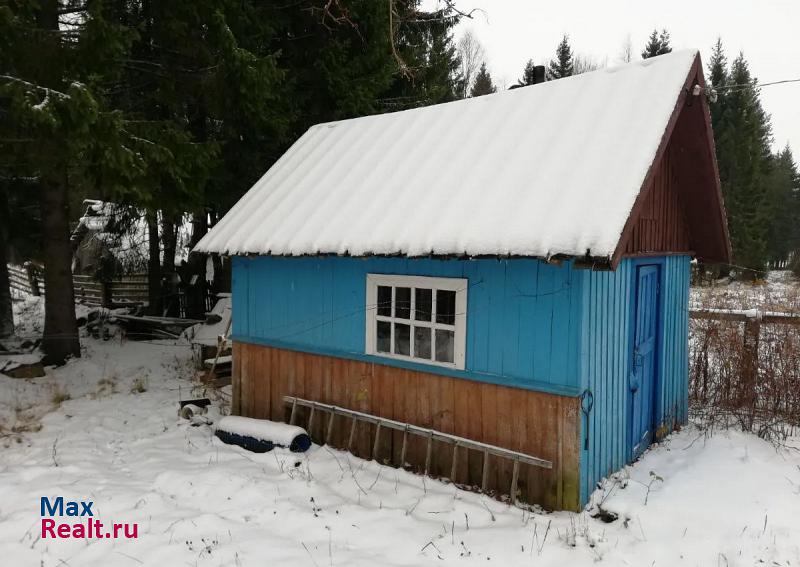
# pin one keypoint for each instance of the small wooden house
(512, 269)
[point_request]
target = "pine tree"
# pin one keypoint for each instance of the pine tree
(483, 83)
(783, 194)
(425, 43)
(59, 134)
(665, 42)
(744, 158)
(6, 308)
(563, 65)
(528, 75)
(718, 79)
(657, 44)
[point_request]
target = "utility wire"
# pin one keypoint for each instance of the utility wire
(744, 86)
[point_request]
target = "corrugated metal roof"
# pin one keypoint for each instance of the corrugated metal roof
(542, 170)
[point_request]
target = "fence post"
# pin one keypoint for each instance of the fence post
(752, 336)
(106, 294)
(33, 280)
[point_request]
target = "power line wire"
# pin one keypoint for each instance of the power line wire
(744, 86)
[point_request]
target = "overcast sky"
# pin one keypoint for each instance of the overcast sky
(514, 31)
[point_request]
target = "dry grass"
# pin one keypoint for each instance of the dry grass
(139, 386)
(59, 396)
(105, 387)
(738, 378)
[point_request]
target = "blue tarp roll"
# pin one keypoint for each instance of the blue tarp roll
(260, 435)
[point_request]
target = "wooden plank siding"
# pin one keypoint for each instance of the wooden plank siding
(540, 424)
(661, 226)
(606, 356)
(680, 207)
(538, 337)
(523, 315)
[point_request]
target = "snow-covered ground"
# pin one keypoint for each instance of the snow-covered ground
(113, 436)
(780, 291)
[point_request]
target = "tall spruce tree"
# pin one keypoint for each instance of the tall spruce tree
(6, 307)
(483, 84)
(718, 79)
(57, 132)
(528, 75)
(563, 64)
(657, 44)
(424, 41)
(783, 195)
(743, 137)
(208, 125)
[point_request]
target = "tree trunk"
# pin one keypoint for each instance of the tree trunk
(153, 265)
(6, 313)
(169, 238)
(170, 298)
(60, 339)
(196, 294)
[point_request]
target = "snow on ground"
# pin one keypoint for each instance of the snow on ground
(113, 436)
(780, 291)
(729, 499)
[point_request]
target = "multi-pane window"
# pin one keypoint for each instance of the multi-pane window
(417, 318)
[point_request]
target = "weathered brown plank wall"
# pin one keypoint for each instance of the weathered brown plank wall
(680, 209)
(661, 226)
(539, 424)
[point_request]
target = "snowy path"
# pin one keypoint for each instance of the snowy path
(729, 500)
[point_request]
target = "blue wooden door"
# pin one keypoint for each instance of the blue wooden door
(643, 380)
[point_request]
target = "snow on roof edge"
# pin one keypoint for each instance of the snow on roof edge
(286, 184)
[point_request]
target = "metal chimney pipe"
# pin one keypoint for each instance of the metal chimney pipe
(538, 74)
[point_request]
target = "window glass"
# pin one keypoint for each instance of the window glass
(418, 318)
(384, 300)
(402, 302)
(402, 339)
(422, 342)
(446, 307)
(445, 341)
(424, 302)
(384, 337)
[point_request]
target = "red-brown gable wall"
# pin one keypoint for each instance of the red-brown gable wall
(661, 226)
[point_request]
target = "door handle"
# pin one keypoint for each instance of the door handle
(633, 378)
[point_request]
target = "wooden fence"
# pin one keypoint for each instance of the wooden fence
(130, 289)
(745, 366)
(753, 319)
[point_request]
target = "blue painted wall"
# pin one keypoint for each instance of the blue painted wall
(606, 355)
(523, 316)
(529, 324)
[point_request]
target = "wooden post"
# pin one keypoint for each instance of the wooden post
(294, 412)
(514, 481)
(33, 279)
(485, 477)
(352, 435)
(311, 418)
(428, 453)
(405, 447)
(752, 335)
(106, 293)
(330, 429)
(375, 444)
(455, 463)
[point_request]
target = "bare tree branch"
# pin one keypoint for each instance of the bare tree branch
(471, 53)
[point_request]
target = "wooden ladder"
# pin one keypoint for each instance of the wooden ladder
(407, 429)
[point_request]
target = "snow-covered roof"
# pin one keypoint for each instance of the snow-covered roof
(548, 169)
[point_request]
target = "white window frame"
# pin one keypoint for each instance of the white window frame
(458, 285)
